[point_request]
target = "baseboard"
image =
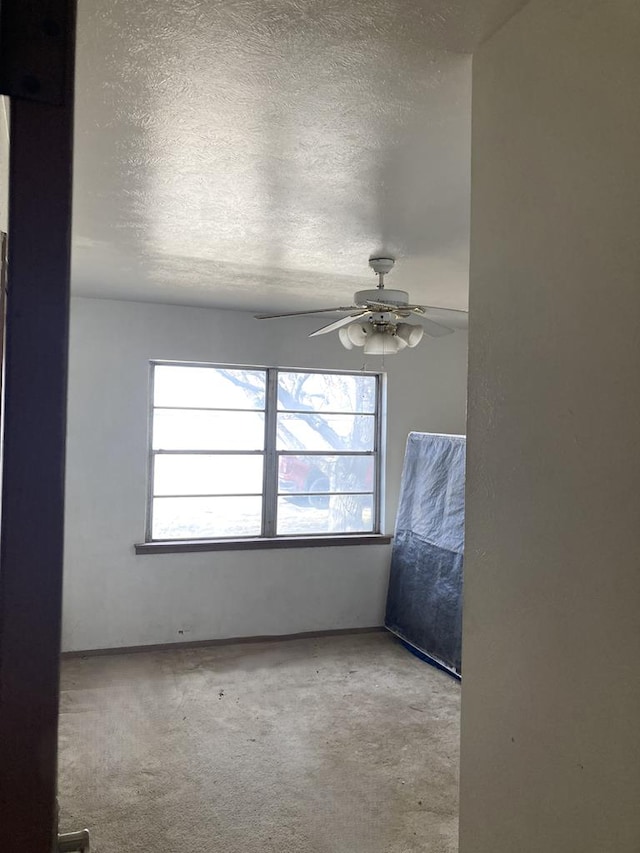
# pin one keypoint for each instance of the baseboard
(194, 644)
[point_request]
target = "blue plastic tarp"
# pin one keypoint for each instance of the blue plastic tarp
(424, 604)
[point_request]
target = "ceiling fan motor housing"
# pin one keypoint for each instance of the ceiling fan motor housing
(386, 296)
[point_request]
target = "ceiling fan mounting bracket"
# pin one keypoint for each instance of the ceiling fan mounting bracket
(381, 265)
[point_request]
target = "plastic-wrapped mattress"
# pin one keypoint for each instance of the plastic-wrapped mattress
(424, 604)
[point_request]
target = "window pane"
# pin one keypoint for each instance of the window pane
(175, 429)
(208, 387)
(325, 514)
(325, 474)
(326, 392)
(325, 432)
(206, 518)
(207, 475)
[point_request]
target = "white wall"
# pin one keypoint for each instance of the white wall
(114, 598)
(551, 693)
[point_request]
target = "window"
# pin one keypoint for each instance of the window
(243, 452)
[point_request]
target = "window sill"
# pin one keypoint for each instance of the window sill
(192, 546)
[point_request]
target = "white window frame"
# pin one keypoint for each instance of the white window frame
(271, 456)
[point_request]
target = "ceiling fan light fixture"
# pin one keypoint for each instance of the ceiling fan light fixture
(410, 333)
(381, 343)
(345, 338)
(357, 333)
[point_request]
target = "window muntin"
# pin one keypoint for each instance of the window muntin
(261, 452)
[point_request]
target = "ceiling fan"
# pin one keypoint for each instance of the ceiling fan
(377, 319)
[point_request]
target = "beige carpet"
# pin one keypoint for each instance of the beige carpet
(342, 744)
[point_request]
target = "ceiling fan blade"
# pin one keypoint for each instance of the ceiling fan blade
(303, 313)
(381, 307)
(422, 309)
(343, 321)
(441, 308)
(453, 318)
(435, 330)
(386, 307)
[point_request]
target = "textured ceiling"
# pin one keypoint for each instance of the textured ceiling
(253, 153)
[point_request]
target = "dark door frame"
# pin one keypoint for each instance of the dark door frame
(36, 70)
